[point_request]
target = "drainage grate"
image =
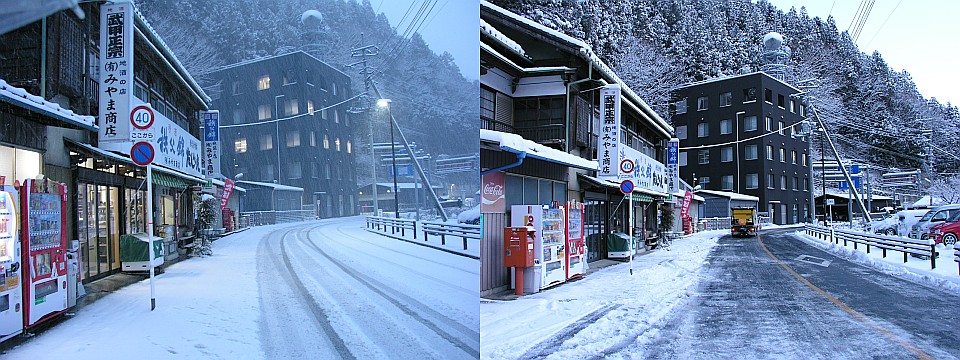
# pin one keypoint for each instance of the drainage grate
(813, 260)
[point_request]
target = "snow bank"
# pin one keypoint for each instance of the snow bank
(470, 216)
(582, 319)
(944, 276)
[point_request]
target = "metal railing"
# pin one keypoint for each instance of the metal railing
(383, 225)
(716, 223)
(257, 218)
(895, 243)
(547, 133)
(463, 231)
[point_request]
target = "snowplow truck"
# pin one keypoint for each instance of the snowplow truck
(742, 223)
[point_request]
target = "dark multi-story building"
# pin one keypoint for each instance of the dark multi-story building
(739, 134)
(284, 120)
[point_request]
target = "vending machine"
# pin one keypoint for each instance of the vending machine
(576, 247)
(549, 245)
(44, 248)
(11, 296)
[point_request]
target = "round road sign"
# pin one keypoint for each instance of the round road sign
(626, 166)
(142, 117)
(142, 153)
(626, 187)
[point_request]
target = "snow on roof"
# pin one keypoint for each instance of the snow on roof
(502, 39)
(272, 185)
(844, 194)
(925, 201)
(681, 194)
(586, 52)
(515, 143)
(265, 58)
(220, 183)
(730, 195)
(728, 77)
(22, 98)
(154, 39)
(126, 160)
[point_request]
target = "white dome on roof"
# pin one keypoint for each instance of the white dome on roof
(772, 41)
(311, 18)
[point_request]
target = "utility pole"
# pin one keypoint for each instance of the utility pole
(364, 52)
(843, 169)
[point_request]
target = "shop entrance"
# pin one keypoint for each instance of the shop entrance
(98, 226)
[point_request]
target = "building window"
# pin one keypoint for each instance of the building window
(804, 159)
(703, 103)
(726, 182)
(771, 181)
(783, 182)
(310, 108)
(238, 116)
(749, 94)
(726, 154)
(326, 171)
(768, 95)
(268, 172)
(793, 157)
(487, 104)
(780, 101)
(288, 78)
(752, 181)
(337, 143)
(293, 138)
(703, 129)
(793, 106)
(683, 158)
(726, 99)
(240, 145)
(326, 141)
(750, 152)
(266, 142)
(803, 110)
(795, 181)
(726, 127)
(681, 106)
(315, 171)
(682, 132)
(782, 125)
(769, 123)
(263, 83)
(264, 112)
(291, 107)
(236, 88)
(796, 213)
(806, 183)
(295, 170)
(349, 147)
(750, 123)
(703, 157)
(783, 155)
(704, 180)
(769, 152)
(336, 116)
(313, 138)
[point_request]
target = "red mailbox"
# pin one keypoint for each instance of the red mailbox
(518, 247)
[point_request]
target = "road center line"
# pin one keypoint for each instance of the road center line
(919, 353)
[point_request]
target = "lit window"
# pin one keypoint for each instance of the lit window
(783, 155)
(264, 112)
(310, 107)
(769, 152)
(769, 123)
(349, 147)
(263, 83)
(240, 145)
(793, 157)
(336, 116)
(313, 138)
(337, 143)
(266, 142)
(326, 142)
(783, 182)
(780, 130)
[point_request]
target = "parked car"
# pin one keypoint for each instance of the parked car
(946, 232)
(931, 218)
(898, 224)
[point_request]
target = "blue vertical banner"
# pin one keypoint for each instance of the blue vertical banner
(673, 165)
(211, 143)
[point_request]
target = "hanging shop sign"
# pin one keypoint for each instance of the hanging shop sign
(116, 72)
(211, 143)
(673, 165)
(609, 131)
(227, 191)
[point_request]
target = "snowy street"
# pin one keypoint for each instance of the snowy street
(319, 289)
(720, 297)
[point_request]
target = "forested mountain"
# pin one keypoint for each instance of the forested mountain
(876, 113)
(434, 104)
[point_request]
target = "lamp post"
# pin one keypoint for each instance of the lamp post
(736, 148)
(276, 103)
(385, 103)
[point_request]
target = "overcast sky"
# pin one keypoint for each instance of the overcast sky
(452, 26)
(918, 37)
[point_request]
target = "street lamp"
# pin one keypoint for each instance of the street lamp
(736, 148)
(385, 104)
(276, 103)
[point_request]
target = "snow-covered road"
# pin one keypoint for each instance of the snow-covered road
(313, 290)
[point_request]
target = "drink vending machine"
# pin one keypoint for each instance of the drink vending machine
(549, 245)
(44, 248)
(576, 248)
(11, 295)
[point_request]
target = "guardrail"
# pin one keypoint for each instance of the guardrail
(884, 242)
(466, 232)
(256, 218)
(716, 223)
(956, 254)
(393, 225)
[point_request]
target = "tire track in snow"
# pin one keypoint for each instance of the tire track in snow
(413, 310)
(544, 348)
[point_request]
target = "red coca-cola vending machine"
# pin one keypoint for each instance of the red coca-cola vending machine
(576, 246)
(44, 250)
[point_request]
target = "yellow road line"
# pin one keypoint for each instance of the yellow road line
(919, 353)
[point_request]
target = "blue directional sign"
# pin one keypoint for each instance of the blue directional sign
(211, 126)
(142, 153)
(403, 170)
(626, 187)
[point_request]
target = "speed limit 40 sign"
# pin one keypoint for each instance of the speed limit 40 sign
(142, 118)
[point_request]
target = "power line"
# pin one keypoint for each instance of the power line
(884, 23)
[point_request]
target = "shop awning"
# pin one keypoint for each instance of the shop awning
(169, 181)
(182, 180)
(642, 195)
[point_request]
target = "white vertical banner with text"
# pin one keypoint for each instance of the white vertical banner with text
(211, 143)
(607, 151)
(116, 73)
(673, 165)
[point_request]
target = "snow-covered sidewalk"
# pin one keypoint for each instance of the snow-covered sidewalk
(945, 276)
(616, 306)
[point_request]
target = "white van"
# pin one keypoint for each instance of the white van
(933, 217)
